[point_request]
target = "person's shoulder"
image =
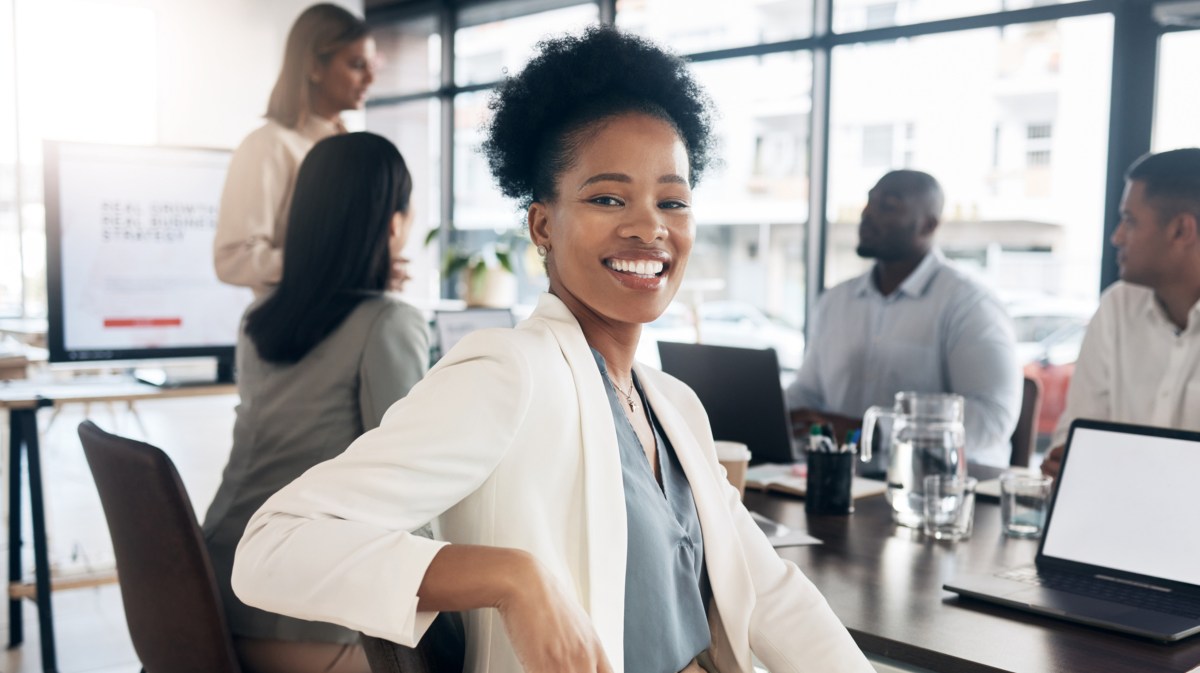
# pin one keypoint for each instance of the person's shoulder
(962, 278)
(388, 313)
(848, 287)
(840, 296)
(1123, 297)
(272, 139)
(269, 133)
(966, 287)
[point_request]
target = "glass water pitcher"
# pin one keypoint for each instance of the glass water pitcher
(927, 438)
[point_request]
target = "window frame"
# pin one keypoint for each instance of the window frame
(1136, 36)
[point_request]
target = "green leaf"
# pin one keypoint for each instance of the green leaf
(454, 263)
(505, 260)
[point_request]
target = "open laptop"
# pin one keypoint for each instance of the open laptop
(449, 327)
(1121, 546)
(741, 391)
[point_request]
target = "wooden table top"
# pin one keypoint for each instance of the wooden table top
(885, 582)
(32, 394)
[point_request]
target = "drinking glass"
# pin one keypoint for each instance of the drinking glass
(1024, 500)
(949, 506)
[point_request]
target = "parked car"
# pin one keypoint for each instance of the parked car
(724, 323)
(1049, 334)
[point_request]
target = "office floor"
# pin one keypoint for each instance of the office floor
(90, 623)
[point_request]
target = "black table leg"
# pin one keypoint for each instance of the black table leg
(16, 444)
(41, 555)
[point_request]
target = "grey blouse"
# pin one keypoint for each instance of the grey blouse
(293, 416)
(665, 621)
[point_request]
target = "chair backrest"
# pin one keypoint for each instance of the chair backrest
(441, 650)
(172, 604)
(1025, 436)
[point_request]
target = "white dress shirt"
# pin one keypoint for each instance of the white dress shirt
(941, 331)
(1135, 365)
(252, 220)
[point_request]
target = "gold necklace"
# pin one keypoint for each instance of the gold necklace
(633, 405)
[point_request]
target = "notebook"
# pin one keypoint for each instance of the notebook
(793, 480)
(741, 392)
(1121, 541)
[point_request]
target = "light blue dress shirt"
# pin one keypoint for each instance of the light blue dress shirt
(941, 331)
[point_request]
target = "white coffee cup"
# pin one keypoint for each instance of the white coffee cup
(735, 457)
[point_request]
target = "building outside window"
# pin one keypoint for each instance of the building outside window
(1175, 118)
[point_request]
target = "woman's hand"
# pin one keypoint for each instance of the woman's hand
(549, 630)
(399, 274)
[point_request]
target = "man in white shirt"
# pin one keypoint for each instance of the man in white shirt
(1140, 359)
(914, 322)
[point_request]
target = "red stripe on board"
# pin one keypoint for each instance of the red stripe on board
(143, 322)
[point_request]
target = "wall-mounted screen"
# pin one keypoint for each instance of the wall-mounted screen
(129, 245)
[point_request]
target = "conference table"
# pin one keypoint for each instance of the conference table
(22, 399)
(885, 583)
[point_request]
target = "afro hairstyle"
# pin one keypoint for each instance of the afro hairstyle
(543, 114)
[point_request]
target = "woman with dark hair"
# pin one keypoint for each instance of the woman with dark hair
(319, 360)
(573, 491)
(328, 64)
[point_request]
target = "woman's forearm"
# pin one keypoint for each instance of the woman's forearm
(467, 577)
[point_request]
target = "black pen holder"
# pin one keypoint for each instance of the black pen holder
(829, 479)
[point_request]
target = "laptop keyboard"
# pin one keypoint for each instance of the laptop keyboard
(1116, 592)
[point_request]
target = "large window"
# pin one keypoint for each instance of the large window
(108, 97)
(692, 26)
(752, 206)
(414, 127)
(1005, 101)
(1176, 121)
(853, 15)
(410, 57)
(11, 282)
(1014, 126)
(494, 39)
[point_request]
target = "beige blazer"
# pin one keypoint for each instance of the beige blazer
(510, 441)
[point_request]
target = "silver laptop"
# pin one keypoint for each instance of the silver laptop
(449, 327)
(1121, 548)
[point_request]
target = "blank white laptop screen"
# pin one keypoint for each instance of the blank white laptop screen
(452, 326)
(1127, 501)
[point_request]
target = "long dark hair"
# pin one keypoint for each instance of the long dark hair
(318, 33)
(335, 253)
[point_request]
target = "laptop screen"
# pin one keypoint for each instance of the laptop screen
(451, 326)
(1126, 500)
(741, 393)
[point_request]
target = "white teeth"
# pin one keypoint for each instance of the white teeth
(639, 268)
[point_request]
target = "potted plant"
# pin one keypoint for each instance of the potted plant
(485, 273)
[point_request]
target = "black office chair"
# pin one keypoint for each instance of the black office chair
(441, 650)
(172, 604)
(1025, 436)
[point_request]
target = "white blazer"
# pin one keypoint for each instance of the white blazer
(509, 441)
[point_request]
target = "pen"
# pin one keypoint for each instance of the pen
(818, 441)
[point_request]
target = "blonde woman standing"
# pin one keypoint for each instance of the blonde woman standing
(327, 69)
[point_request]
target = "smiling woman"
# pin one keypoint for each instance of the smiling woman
(577, 494)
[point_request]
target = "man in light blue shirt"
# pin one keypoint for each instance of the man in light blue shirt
(913, 322)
